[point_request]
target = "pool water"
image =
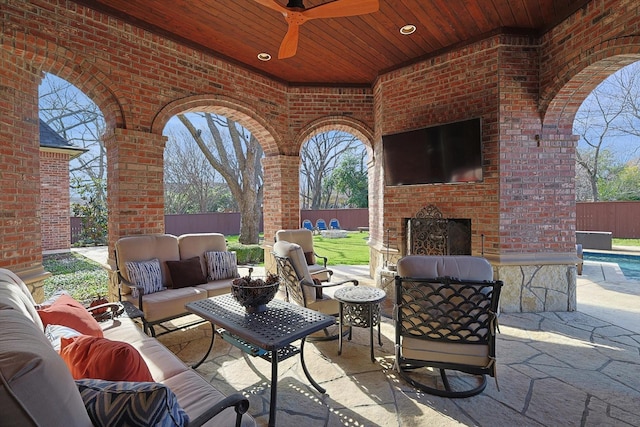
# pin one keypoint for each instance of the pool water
(629, 264)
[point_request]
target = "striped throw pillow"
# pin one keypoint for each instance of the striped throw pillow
(221, 265)
(147, 274)
(124, 403)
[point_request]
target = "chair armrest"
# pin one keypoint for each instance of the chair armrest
(328, 284)
(140, 289)
(236, 400)
(112, 310)
(324, 260)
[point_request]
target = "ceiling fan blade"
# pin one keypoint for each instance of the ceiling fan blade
(289, 44)
(340, 8)
(273, 4)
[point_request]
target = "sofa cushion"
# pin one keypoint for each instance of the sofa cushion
(143, 248)
(132, 404)
(146, 274)
(168, 303)
(187, 272)
(68, 312)
(37, 388)
(55, 333)
(221, 265)
(102, 358)
(14, 292)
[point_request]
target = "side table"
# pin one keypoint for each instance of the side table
(360, 306)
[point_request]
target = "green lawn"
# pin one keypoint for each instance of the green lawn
(626, 242)
(352, 250)
(83, 278)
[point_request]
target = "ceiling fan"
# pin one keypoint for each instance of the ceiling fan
(296, 14)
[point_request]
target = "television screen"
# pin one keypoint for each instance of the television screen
(438, 154)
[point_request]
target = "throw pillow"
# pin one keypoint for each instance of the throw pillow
(310, 258)
(66, 311)
(101, 358)
(130, 403)
(54, 333)
(146, 274)
(221, 265)
(187, 272)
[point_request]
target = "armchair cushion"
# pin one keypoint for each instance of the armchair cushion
(68, 312)
(146, 274)
(293, 251)
(186, 272)
(102, 358)
(132, 404)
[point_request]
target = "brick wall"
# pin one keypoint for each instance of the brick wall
(519, 87)
(451, 87)
(54, 202)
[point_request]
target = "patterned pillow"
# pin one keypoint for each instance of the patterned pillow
(221, 265)
(147, 274)
(111, 403)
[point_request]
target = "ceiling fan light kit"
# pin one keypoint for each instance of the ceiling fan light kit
(296, 14)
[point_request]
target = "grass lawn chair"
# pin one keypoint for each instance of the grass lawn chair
(334, 224)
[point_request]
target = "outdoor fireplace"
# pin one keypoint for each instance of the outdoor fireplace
(428, 233)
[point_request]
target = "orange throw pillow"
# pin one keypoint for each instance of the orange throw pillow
(103, 359)
(68, 312)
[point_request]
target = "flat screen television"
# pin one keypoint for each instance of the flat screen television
(445, 153)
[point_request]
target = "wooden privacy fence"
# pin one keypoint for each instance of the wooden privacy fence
(622, 219)
(229, 223)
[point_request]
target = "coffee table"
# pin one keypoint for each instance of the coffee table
(360, 306)
(268, 335)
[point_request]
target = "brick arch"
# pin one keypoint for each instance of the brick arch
(560, 102)
(223, 106)
(72, 67)
(336, 123)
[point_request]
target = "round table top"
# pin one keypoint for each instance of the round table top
(359, 294)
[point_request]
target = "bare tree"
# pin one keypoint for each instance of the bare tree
(191, 185)
(80, 122)
(319, 156)
(236, 154)
(604, 119)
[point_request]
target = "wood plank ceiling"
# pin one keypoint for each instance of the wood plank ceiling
(335, 51)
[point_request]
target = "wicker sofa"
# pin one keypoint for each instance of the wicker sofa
(171, 251)
(37, 387)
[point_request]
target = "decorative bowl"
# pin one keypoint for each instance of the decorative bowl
(254, 294)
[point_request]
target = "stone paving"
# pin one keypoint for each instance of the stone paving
(554, 369)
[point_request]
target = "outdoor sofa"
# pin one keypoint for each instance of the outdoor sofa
(38, 388)
(161, 273)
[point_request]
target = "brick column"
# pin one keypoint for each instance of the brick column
(135, 189)
(537, 257)
(281, 199)
(20, 223)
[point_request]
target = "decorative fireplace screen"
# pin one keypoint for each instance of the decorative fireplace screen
(428, 233)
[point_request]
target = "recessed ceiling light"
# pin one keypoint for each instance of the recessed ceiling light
(264, 56)
(405, 30)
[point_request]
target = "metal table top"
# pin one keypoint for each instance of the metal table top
(360, 294)
(281, 324)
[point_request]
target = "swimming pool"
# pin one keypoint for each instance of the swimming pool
(629, 264)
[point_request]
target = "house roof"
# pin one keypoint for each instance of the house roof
(50, 139)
